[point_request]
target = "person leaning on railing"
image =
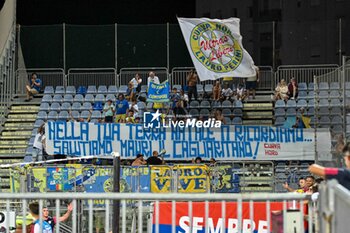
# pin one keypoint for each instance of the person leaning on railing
(340, 174)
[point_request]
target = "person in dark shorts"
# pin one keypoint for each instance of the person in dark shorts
(342, 175)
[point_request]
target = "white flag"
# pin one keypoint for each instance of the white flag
(216, 48)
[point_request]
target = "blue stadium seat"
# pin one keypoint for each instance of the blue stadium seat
(44, 107)
(324, 122)
(238, 104)
(205, 104)
(280, 104)
(63, 116)
(85, 114)
(226, 112)
(302, 86)
(323, 103)
(52, 116)
(311, 103)
(302, 95)
(57, 98)
(215, 104)
(337, 120)
(280, 112)
(143, 89)
(111, 97)
(237, 112)
(75, 114)
(323, 86)
(42, 115)
(55, 107)
(46, 99)
(60, 90)
(200, 89)
(81, 90)
(49, 90)
(66, 106)
(228, 121)
(334, 86)
(112, 89)
(279, 121)
(194, 112)
(323, 111)
(208, 88)
(310, 111)
(335, 103)
(102, 89)
(336, 111)
(291, 104)
(71, 90)
(96, 114)
(237, 121)
(89, 98)
(347, 85)
(178, 87)
(78, 98)
(311, 86)
(323, 95)
(141, 105)
(98, 106)
(338, 129)
(91, 89)
(68, 98)
(194, 104)
(311, 95)
(335, 94)
(301, 103)
(226, 104)
(86, 106)
(38, 123)
(204, 112)
(123, 89)
(291, 112)
(100, 98)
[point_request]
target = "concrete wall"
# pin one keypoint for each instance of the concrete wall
(7, 17)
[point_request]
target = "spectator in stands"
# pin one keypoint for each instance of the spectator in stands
(184, 98)
(152, 78)
(52, 220)
(226, 93)
(139, 161)
(240, 92)
(340, 174)
(38, 145)
(80, 119)
(130, 93)
(281, 91)
(174, 97)
(192, 80)
(34, 87)
(301, 186)
(197, 160)
(136, 83)
(216, 91)
(293, 89)
(212, 161)
(137, 120)
(122, 107)
(252, 82)
(131, 118)
(34, 211)
(179, 111)
(134, 107)
(219, 117)
(108, 111)
(154, 159)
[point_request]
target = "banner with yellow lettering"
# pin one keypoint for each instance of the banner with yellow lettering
(161, 179)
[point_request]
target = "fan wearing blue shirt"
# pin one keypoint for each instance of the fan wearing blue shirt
(34, 87)
(122, 107)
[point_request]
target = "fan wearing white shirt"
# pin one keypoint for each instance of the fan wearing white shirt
(135, 82)
(152, 78)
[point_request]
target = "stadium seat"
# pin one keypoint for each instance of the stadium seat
(42, 115)
(71, 90)
(111, 97)
(44, 107)
(141, 105)
(335, 103)
(98, 106)
(123, 89)
(302, 95)
(301, 104)
(237, 112)
(100, 98)
(310, 95)
(46, 99)
(337, 120)
(55, 107)
(237, 121)
(149, 105)
(200, 89)
(194, 112)
(112, 89)
(280, 104)
(280, 112)
(205, 104)
(311, 103)
(84, 114)
(66, 106)
(38, 123)
(49, 90)
(279, 121)
(91, 89)
(76, 106)
(337, 111)
(81, 90)
(178, 87)
(323, 86)
(215, 104)
(31, 141)
(323, 95)
(94, 120)
(63, 116)
(78, 98)
(52, 116)
(238, 104)
(335, 94)
(194, 104)
(302, 86)
(311, 86)
(228, 121)
(75, 114)
(310, 111)
(60, 90)
(89, 98)
(291, 112)
(96, 115)
(102, 89)
(143, 89)
(324, 122)
(86, 106)
(291, 104)
(334, 86)
(226, 104)
(68, 98)
(57, 98)
(204, 112)
(323, 111)
(208, 88)
(226, 112)
(323, 103)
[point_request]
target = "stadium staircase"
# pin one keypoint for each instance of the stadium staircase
(15, 135)
(259, 111)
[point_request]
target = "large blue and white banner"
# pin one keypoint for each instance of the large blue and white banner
(158, 93)
(234, 142)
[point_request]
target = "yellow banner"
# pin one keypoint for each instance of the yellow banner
(192, 178)
(161, 179)
(39, 181)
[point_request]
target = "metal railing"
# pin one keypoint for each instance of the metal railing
(126, 74)
(89, 76)
(173, 212)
